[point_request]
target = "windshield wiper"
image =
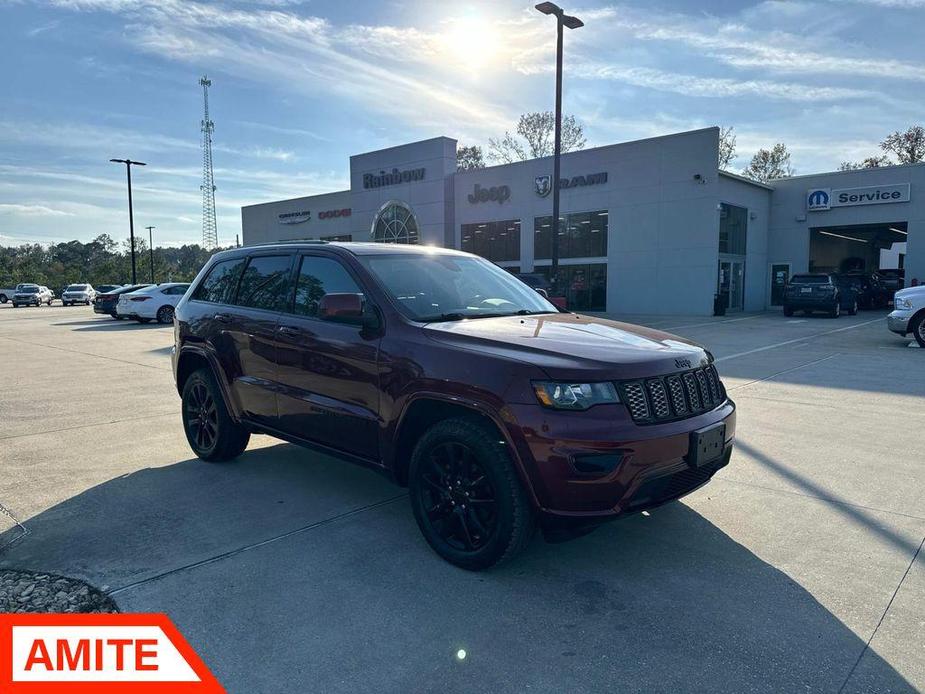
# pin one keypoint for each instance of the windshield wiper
(528, 312)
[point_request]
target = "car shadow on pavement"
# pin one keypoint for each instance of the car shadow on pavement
(297, 548)
(116, 326)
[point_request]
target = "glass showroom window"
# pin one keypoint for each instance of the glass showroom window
(495, 241)
(395, 223)
(584, 285)
(581, 235)
(733, 225)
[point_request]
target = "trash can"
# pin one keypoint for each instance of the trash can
(720, 302)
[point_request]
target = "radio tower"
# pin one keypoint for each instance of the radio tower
(209, 230)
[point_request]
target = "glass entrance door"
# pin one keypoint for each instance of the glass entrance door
(732, 283)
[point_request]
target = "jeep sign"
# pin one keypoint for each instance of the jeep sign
(824, 198)
(497, 193)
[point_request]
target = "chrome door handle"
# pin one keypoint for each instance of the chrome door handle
(222, 317)
(289, 330)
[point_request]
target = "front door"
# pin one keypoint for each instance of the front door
(327, 371)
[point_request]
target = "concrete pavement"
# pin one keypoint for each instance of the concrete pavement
(798, 568)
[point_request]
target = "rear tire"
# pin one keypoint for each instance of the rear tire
(466, 496)
(211, 432)
(918, 329)
(836, 311)
(788, 311)
(165, 314)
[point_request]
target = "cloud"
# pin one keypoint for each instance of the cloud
(32, 210)
(42, 28)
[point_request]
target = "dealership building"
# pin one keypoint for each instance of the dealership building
(650, 226)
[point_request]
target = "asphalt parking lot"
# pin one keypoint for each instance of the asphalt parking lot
(799, 568)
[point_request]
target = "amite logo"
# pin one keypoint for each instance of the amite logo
(98, 653)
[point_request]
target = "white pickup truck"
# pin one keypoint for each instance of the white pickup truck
(909, 314)
(6, 293)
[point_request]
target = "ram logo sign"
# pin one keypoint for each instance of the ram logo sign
(818, 199)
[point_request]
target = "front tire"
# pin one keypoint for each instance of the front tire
(918, 329)
(836, 311)
(466, 495)
(211, 432)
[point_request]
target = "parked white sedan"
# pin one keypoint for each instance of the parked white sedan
(152, 303)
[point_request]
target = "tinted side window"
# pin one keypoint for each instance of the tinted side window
(219, 285)
(179, 290)
(317, 277)
(265, 283)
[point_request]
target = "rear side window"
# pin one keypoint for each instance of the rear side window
(219, 285)
(317, 277)
(178, 290)
(265, 283)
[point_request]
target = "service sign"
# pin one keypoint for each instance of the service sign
(827, 198)
(98, 653)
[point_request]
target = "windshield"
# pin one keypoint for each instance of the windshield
(448, 287)
(29, 290)
(810, 279)
(77, 288)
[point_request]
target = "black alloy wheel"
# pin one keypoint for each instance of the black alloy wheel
(211, 432)
(466, 495)
(458, 498)
(201, 416)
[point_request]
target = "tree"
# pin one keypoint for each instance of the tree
(908, 146)
(727, 147)
(768, 164)
(537, 138)
(869, 163)
(469, 158)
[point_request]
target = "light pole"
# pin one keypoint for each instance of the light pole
(131, 220)
(562, 19)
(151, 250)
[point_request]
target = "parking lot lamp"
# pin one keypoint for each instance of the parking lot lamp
(562, 19)
(151, 251)
(131, 221)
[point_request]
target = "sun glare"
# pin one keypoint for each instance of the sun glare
(471, 43)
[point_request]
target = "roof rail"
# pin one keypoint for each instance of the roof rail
(320, 242)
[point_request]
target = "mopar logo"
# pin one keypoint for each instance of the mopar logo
(818, 199)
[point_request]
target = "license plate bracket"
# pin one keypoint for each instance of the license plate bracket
(706, 445)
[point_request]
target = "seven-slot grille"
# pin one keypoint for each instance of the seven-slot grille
(677, 396)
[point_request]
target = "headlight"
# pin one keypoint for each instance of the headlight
(903, 304)
(574, 396)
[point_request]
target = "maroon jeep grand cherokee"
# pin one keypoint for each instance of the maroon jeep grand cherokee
(445, 372)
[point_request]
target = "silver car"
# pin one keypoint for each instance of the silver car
(78, 294)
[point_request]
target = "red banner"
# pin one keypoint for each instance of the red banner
(99, 653)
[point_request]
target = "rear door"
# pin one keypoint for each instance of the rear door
(328, 371)
(263, 291)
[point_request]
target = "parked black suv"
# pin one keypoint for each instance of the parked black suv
(828, 292)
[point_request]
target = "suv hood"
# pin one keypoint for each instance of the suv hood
(909, 291)
(569, 347)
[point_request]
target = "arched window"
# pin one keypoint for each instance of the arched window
(395, 223)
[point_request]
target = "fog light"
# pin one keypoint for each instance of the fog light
(597, 463)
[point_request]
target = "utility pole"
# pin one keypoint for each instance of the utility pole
(131, 219)
(562, 19)
(151, 250)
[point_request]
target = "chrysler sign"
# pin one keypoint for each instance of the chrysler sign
(826, 198)
(294, 217)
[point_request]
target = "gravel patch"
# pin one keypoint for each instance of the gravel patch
(30, 591)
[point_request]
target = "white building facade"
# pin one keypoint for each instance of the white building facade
(649, 226)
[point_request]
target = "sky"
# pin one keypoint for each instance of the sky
(299, 86)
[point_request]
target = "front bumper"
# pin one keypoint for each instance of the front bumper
(811, 304)
(641, 466)
(76, 299)
(898, 322)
